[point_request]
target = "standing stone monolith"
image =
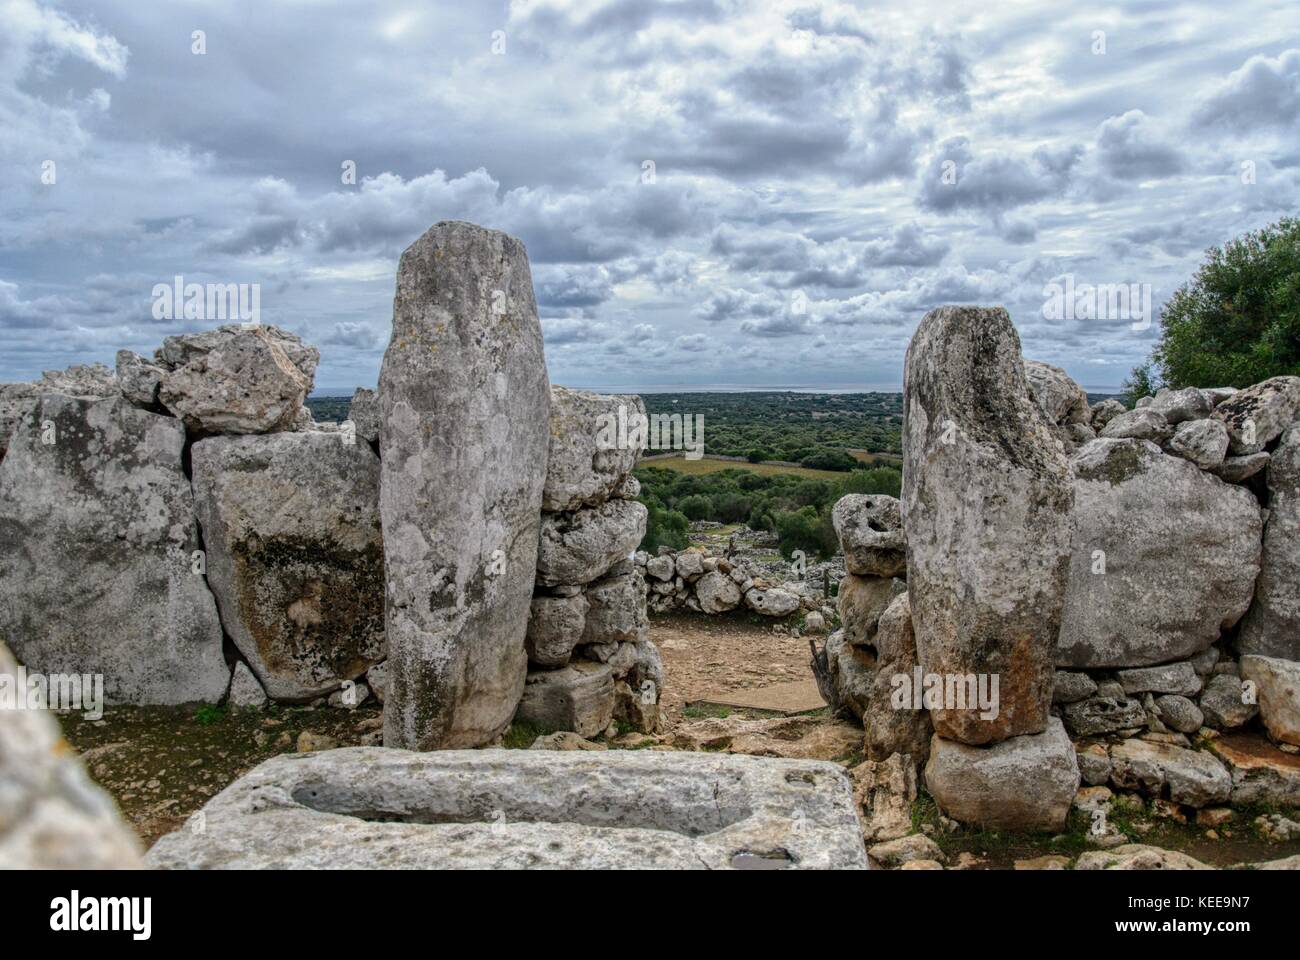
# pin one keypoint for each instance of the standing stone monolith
(986, 510)
(464, 404)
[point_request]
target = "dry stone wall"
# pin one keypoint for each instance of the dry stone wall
(1173, 630)
(591, 660)
(463, 547)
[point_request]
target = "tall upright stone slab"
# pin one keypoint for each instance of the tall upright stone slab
(464, 403)
(986, 510)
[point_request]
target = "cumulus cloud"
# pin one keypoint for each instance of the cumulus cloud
(1263, 92)
(956, 178)
(1132, 147)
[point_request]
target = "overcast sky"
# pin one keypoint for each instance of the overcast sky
(798, 225)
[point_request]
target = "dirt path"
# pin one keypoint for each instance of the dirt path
(706, 656)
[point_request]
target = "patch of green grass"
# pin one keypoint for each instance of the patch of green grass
(623, 728)
(520, 735)
(924, 810)
(209, 713)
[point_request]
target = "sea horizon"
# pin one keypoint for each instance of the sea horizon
(835, 389)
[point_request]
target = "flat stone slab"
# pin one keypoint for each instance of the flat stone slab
(372, 807)
(797, 696)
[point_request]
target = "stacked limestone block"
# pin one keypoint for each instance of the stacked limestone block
(189, 482)
(857, 667)
(1184, 605)
(590, 657)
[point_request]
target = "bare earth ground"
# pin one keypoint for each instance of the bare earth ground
(162, 764)
(706, 656)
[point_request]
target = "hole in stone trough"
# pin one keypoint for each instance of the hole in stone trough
(695, 808)
(776, 860)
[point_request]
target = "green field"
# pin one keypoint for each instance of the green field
(706, 465)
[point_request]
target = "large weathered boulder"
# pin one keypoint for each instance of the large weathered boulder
(236, 380)
(52, 815)
(593, 446)
(1202, 442)
(986, 507)
(1257, 415)
(97, 554)
(891, 719)
(579, 697)
(1164, 556)
(1057, 395)
(884, 791)
(1025, 783)
(1140, 424)
(87, 381)
(1262, 775)
(1106, 411)
(1138, 856)
(1225, 703)
(465, 402)
(617, 611)
(1277, 689)
(1180, 406)
(363, 411)
(1271, 626)
(138, 379)
(716, 592)
(1193, 777)
(295, 555)
(555, 626)
(870, 531)
(849, 672)
(580, 545)
(179, 350)
(861, 601)
(771, 603)
(366, 807)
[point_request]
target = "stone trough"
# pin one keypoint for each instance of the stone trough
(369, 807)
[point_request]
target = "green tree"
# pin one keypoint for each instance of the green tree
(731, 507)
(885, 480)
(1141, 383)
(807, 530)
(663, 527)
(696, 507)
(1237, 321)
